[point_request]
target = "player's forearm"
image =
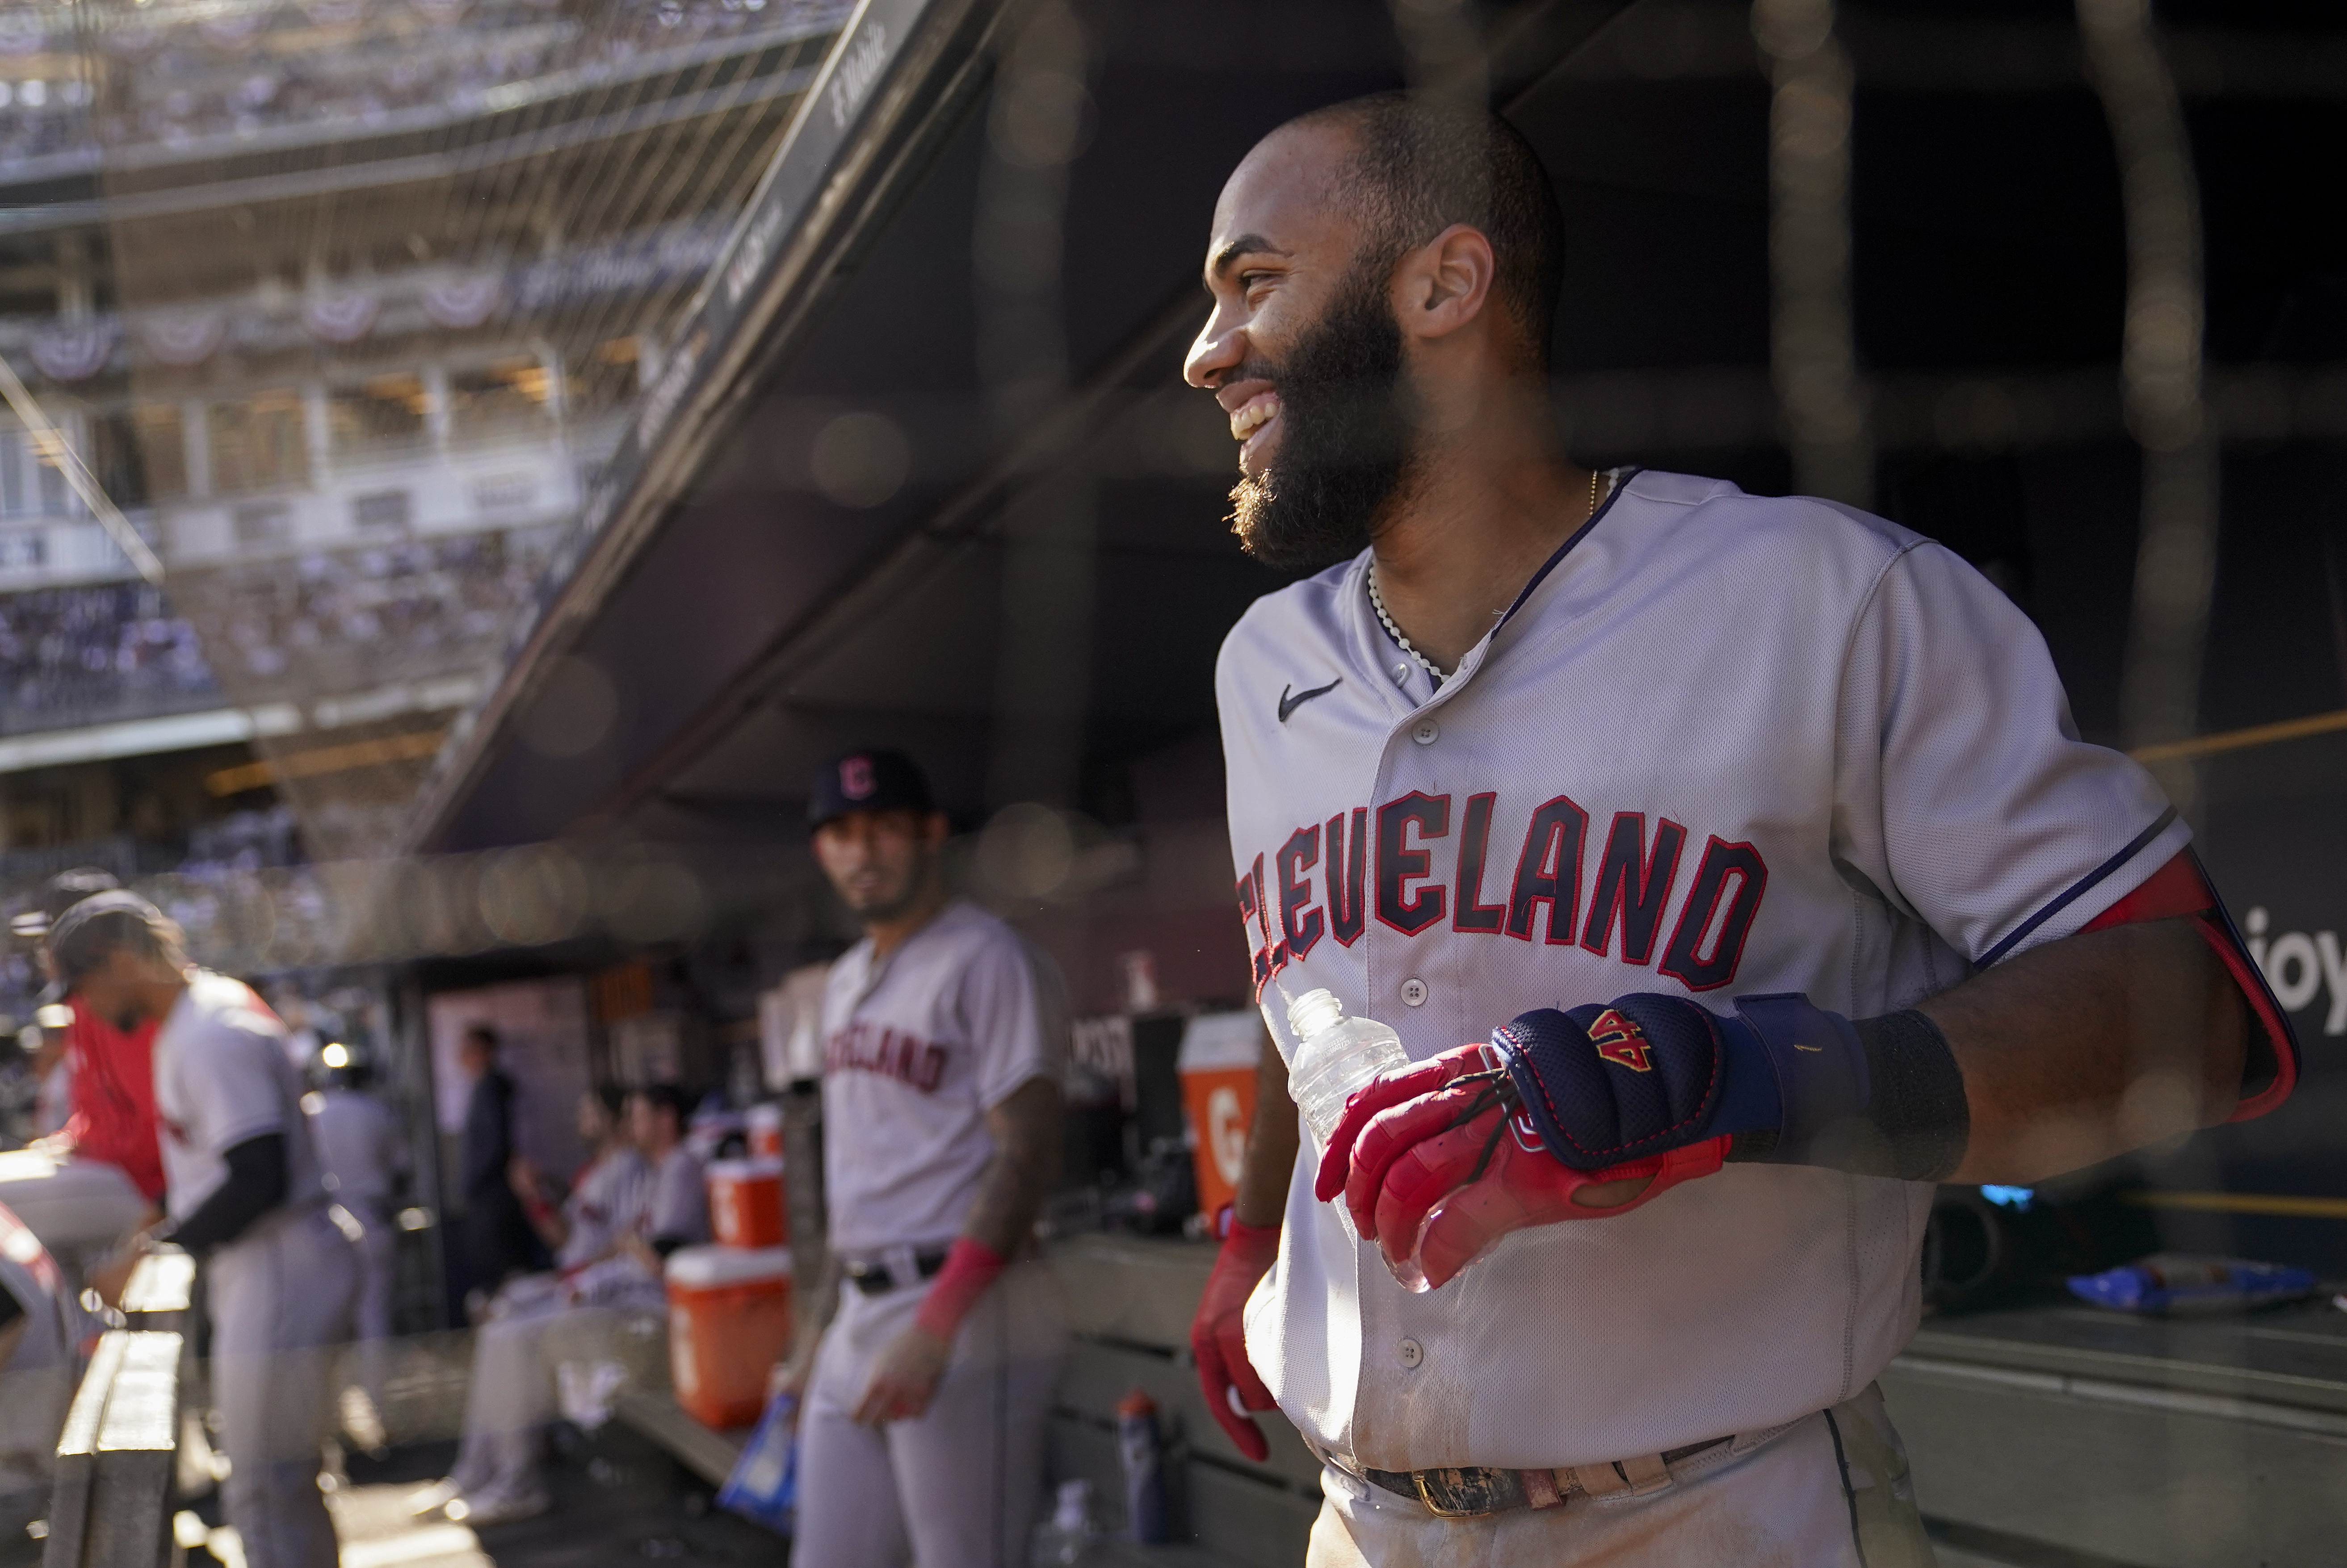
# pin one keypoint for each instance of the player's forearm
(1029, 1144)
(1273, 1140)
(2091, 1047)
(256, 1184)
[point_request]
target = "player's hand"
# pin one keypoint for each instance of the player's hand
(1218, 1336)
(905, 1378)
(1450, 1131)
(521, 1175)
(111, 1275)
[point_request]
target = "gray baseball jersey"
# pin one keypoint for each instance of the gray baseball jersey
(916, 1049)
(676, 1202)
(360, 1143)
(607, 1201)
(1720, 744)
(221, 1079)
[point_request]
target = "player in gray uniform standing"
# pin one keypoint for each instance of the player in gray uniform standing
(1748, 839)
(921, 1436)
(244, 1193)
(364, 1150)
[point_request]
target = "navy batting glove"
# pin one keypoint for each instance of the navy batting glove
(1645, 1074)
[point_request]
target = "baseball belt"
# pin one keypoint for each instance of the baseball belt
(1470, 1491)
(872, 1276)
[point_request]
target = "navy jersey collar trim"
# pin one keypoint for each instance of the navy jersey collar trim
(1621, 487)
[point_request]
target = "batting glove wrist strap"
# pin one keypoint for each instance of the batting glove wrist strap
(1916, 1122)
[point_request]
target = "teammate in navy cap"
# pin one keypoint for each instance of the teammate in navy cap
(869, 781)
(926, 1396)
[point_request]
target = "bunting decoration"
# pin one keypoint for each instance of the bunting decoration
(184, 337)
(463, 302)
(74, 352)
(342, 317)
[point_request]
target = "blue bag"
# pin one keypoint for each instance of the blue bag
(764, 1485)
(2177, 1285)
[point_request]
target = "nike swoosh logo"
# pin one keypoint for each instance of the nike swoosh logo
(1288, 704)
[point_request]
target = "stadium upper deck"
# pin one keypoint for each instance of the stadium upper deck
(342, 304)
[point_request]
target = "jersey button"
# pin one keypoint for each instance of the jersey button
(1411, 1353)
(1413, 992)
(1425, 731)
(1402, 674)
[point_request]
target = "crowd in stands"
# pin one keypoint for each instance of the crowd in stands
(416, 609)
(74, 656)
(353, 63)
(84, 655)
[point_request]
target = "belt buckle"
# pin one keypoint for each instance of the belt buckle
(1456, 1493)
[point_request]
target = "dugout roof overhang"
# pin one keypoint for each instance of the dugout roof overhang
(748, 624)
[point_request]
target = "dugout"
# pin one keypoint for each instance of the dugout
(917, 470)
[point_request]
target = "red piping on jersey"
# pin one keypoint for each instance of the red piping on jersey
(2180, 890)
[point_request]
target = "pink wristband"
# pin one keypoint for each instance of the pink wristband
(969, 1268)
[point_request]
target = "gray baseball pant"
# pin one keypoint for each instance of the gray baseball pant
(958, 1486)
(280, 1306)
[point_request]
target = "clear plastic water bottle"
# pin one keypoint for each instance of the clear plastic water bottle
(1334, 1056)
(1066, 1539)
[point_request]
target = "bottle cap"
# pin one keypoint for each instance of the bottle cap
(1312, 1011)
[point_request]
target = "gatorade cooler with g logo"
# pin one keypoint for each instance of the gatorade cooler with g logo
(1217, 1065)
(729, 1320)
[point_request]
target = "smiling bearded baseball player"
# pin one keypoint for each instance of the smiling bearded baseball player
(1750, 842)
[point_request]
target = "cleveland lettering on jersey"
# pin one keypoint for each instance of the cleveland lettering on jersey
(866, 1046)
(1433, 870)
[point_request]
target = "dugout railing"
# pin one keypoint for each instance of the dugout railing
(118, 1458)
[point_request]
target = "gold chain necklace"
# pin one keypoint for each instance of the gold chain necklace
(1378, 602)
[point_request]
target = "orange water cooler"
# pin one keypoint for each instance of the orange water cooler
(1217, 1065)
(767, 1132)
(729, 1321)
(745, 1203)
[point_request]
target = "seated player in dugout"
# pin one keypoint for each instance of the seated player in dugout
(1751, 841)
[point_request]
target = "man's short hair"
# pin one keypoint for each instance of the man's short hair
(663, 1097)
(1421, 165)
(57, 895)
(93, 929)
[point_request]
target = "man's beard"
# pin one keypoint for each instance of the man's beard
(1344, 442)
(897, 901)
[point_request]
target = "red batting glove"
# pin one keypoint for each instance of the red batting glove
(1450, 1131)
(1218, 1334)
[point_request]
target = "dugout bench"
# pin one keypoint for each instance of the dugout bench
(2042, 1437)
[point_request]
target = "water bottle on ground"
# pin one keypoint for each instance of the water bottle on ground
(1334, 1055)
(1144, 1470)
(1066, 1538)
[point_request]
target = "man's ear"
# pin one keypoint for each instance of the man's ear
(1445, 284)
(937, 828)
